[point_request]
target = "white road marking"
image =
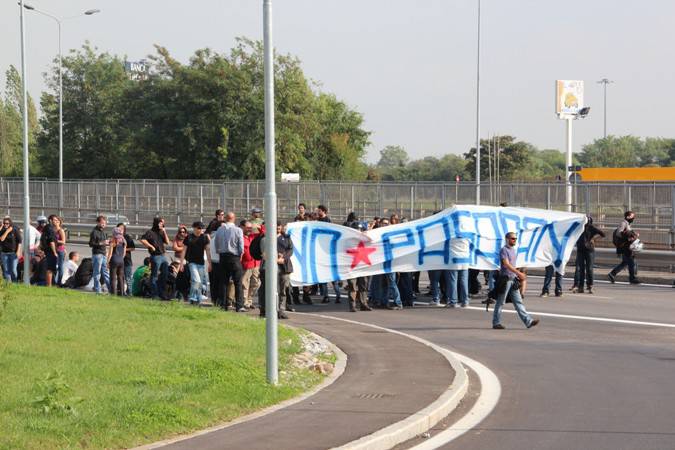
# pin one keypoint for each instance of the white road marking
(490, 391)
(589, 318)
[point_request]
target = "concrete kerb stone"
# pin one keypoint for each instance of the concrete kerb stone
(338, 370)
(423, 420)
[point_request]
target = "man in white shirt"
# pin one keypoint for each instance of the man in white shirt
(70, 267)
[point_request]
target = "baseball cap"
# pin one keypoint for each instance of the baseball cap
(41, 219)
(256, 210)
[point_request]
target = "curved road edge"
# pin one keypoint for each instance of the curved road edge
(340, 366)
(424, 419)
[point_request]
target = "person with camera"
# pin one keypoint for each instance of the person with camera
(10, 249)
(508, 285)
(626, 242)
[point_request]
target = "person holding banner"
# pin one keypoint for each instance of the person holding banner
(508, 285)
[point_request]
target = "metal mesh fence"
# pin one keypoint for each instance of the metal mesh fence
(181, 201)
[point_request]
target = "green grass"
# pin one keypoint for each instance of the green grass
(85, 371)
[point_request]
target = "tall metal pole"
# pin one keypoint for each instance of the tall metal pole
(60, 124)
(26, 186)
(568, 172)
(478, 113)
(270, 203)
(605, 82)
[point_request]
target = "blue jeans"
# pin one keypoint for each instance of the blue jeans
(323, 289)
(548, 277)
(59, 270)
(435, 282)
(128, 277)
(100, 264)
(197, 282)
(375, 290)
(9, 265)
(463, 277)
(514, 295)
(392, 290)
(627, 260)
(158, 274)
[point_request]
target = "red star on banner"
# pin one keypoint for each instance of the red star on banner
(360, 254)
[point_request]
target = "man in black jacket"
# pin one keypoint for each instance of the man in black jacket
(285, 268)
(586, 256)
(98, 241)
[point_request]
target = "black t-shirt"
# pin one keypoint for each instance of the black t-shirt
(194, 248)
(48, 236)
(11, 242)
(130, 244)
(324, 219)
(155, 239)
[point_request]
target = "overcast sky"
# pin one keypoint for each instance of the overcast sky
(410, 66)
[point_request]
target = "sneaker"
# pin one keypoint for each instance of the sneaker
(282, 315)
(337, 300)
(242, 310)
(581, 291)
(558, 293)
(366, 308)
(435, 303)
(612, 277)
(464, 305)
(290, 309)
(203, 298)
(352, 308)
(534, 323)
(325, 300)
(575, 290)
(543, 294)
(589, 290)
(499, 326)
(635, 281)
(451, 305)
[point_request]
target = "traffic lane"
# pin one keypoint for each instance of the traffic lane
(616, 301)
(565, 384)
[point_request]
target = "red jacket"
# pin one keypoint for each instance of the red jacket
(247, 261)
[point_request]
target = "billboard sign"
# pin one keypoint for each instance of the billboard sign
(136, 70)
(569, 98)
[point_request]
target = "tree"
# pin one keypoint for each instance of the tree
(515, 159)
(11, 127)
(612, 151)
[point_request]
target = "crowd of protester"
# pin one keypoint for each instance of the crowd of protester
(224, 262)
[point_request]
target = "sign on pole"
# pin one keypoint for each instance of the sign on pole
(569, 98)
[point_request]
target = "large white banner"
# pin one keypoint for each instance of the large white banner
(456, 238)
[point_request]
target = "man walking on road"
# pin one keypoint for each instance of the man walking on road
(229, 243)
(623, 238)
(507, 285)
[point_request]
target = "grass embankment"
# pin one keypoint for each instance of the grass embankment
(79, 370)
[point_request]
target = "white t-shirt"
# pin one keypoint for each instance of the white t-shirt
(69, 269)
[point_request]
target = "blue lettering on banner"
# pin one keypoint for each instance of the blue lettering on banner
(559, 247)
(459, 234)
(335, 237)
(301, 252)
(528, 249)
(494, 255)
(389, 246)
(445, 253)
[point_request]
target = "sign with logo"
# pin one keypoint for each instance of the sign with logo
(462, 237)
(136, 70)
(569, 98)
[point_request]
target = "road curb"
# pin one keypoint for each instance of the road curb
(338, 370)
(422, 420)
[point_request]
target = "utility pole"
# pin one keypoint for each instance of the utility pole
(478, 113)
(26, 181)
(271, 302)
(605, 82)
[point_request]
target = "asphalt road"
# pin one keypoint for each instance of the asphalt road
(569, 383)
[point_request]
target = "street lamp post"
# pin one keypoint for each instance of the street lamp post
(272, 357)
(605, 82)
(26, 186)
(478, 113)
(58, 21)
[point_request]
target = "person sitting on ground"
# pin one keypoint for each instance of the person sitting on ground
(39, 268)
(141, 285)
(70, 267)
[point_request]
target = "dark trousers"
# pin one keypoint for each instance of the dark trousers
(627, 260)
(405, 287)
(548, 277)
(584, 265)
(416, 282)
(216, 284)
(230, 268)
(117, 279)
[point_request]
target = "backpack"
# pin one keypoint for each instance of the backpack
(256, 249)
(82, 275)
(618, 239)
